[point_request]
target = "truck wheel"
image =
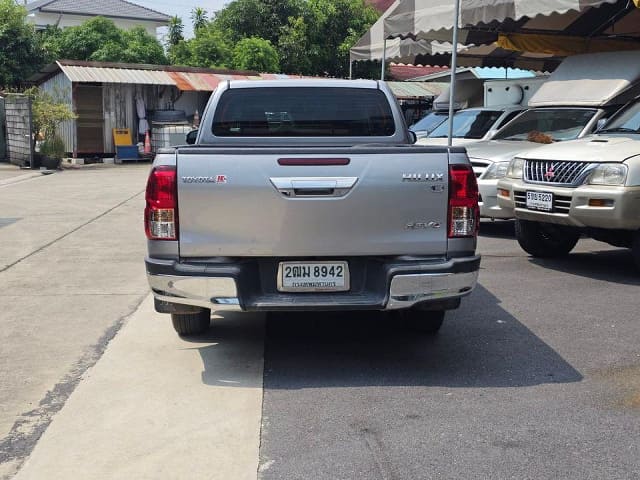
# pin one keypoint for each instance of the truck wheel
(423, 321)
(545, 240)
(191, 323)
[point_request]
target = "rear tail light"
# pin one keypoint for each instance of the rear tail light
(161, 212)
(464, 215)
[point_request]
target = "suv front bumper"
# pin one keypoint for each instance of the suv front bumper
(376, 284)
(575, 206)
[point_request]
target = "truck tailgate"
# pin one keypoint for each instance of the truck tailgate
(311, 202)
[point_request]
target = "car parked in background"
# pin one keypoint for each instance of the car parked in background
(472, 125)
(576, 99)
(589, 186)
(426, 124)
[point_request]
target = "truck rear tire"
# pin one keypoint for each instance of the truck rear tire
(191, 323)
(423, 321)
(545, 240)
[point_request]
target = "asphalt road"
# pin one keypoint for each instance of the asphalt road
(536, 376)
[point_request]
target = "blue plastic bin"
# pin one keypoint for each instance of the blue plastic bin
(127, 152)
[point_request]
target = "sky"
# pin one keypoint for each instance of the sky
(182, 8)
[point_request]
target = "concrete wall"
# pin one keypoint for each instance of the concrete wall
(3, 133)
(18, 121)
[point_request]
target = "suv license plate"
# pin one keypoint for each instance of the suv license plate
(313, 277)
(540, 201)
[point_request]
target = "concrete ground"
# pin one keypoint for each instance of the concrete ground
(536, 376)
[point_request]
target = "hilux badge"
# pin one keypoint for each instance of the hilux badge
(423, 177)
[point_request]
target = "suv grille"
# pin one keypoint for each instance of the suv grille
(555, 172)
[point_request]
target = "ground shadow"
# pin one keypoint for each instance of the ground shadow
(232, 354)
(480, 345)
(498, 229)
(616, 265)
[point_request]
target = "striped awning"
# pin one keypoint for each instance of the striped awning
(481, 21)
(501, 33)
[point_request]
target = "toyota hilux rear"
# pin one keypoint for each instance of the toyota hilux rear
(309, 195)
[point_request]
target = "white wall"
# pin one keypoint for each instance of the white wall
(42, 19)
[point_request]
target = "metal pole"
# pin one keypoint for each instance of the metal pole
(454, 66)
(350, 69)
(384, 54)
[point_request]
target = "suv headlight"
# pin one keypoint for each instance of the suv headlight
(608, 174)
(496, 170)
(516, 168)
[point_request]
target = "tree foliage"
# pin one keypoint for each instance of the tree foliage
(99, 39)
(199, 18)
(310, 37)
(20, 50)
(256, 54)
(176, 31)
(208, 49)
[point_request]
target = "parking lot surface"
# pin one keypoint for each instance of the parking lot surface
(537, 375)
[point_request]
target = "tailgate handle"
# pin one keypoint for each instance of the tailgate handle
(291, 187)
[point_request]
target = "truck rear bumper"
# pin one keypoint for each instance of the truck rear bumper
(377, 284)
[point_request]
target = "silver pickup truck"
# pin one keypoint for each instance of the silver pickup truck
(309, 195)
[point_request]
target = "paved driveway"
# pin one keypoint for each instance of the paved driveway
(537, 375)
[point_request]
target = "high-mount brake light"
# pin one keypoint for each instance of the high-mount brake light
(464, 213)
(161, 212)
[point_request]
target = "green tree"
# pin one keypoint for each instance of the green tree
(311, 37)
(255, 54)
(199, 18)
(99, 39)
(335, 26)
(176, 31)
(207, 49)
(20, 50)
(135, 46)
(293, 47)
(257, 18)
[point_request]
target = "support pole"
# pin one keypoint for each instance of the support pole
(350, 69)
(454, 67)
(384, 55)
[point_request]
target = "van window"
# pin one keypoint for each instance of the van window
(303, 112)
(557, 123)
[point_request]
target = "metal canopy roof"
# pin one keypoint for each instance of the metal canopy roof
(183, 78)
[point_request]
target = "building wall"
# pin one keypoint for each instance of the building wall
(60, 88)
(42, 19)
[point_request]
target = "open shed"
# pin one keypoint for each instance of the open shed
(105, 96)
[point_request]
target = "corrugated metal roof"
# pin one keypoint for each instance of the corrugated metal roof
(416, 89)
(185, 80)
(116, 75)
(105, 8)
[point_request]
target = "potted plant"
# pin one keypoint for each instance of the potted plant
(47, 113)
(52, 152)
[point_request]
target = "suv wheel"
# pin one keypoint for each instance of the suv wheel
(191, 323)
(545, 240)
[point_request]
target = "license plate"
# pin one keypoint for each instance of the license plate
(313, 277)
(540, 201)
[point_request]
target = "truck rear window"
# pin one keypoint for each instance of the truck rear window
(303, 112)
